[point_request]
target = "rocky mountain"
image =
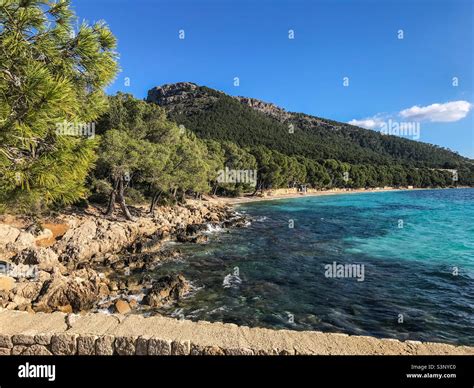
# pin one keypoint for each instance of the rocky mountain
(249, 122)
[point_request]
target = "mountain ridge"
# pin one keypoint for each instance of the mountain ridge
(248, 121)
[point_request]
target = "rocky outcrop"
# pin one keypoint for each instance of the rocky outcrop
(45, 259)
(84, 267)
(172, 93)
(192, 233)
(166, 290)
(266, 108)
(182, 96)
(92, 238)
(78, 291)
(8, 235)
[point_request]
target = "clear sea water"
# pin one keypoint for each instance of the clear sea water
(419, 273)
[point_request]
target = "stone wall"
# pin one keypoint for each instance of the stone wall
(24, 333)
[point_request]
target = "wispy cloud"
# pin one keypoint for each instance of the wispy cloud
(447, 112)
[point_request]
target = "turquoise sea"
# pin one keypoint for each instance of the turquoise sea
(416, 248)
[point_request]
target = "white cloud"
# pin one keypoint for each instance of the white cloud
(447, 112)
(374, 122)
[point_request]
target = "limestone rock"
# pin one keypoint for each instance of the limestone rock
(23, 339)
(18, 350)
(141, 346)
(122, 306)
(5, 341)
(167, 289)
(8, 235)
(158, 347)
(28, 290)
(81, 290)
(43, 339)
(86, 345)
(104, 346)
(36, 350)
(180, 348)
(24, 240)
(45, 258)
(7, 283)
(125, 346)
(63, 344)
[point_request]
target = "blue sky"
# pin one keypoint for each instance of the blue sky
(357, 39)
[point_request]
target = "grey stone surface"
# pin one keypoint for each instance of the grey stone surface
(104, 346)
(63, 344)
(180, 348)
(159, 347)
(18, 349)
(36, 350)
(43, 339)
(125, 346)
(23, 339)
(142, 346)
(5, 341)
(86, 345)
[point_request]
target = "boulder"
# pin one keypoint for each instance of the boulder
(122, 306)
(8, 235)
(168, 289)
(81, 290)
(192, 235)
(45, 258)
(44, 234)
(28, 289)
(24, 240)
(7, 283)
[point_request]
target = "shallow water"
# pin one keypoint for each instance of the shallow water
(417, 249)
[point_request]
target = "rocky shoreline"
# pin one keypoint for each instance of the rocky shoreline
(55, 279)
(79, 271)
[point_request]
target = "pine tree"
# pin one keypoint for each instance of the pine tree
(137, 144)
(52, 77)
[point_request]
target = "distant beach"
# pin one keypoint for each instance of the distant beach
(269, 196)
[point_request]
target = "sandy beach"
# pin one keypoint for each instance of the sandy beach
(270, 196)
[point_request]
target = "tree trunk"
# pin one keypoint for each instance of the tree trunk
(121, 199)
(154, 201)
(182, 197)
(113, 195)
(258, 187)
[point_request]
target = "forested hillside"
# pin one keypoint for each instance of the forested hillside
(249, 122)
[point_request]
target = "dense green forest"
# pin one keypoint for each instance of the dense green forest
(215, 115)
(143, 156)
(63, 141)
